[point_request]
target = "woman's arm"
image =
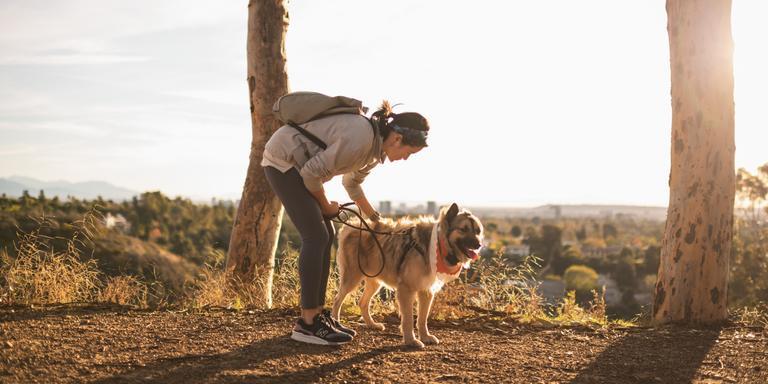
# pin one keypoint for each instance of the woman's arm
(367, 209)
(351, 182)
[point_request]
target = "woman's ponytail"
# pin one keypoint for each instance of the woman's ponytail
(413, 126)
(381, 118)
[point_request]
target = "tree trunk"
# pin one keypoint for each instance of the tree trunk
(257, 222)
(693, 274)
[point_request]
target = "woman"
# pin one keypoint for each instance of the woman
(296, 169)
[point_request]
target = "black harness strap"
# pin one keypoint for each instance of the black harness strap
(412, 243)
(309, 135)
(320, 143)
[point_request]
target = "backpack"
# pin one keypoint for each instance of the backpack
(301, 107)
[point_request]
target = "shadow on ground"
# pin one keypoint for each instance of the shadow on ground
(677, 355)
(243, 365)
(21, 313)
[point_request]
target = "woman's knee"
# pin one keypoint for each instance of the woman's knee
(316, 237)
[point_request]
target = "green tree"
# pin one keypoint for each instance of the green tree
(581, 234)
(651, 257)
(748, 283)
(610, 231)
(547, 245)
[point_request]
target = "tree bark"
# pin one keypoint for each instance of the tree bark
(693, 274)
(256, 227)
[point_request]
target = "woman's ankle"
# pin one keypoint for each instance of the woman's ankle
(308, 315)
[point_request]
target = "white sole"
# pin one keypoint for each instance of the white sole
(298, 336)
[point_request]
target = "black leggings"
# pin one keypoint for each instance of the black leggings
(316, 233)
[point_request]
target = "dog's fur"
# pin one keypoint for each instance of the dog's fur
(410, 274)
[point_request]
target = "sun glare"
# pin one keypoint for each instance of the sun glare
(750, 33)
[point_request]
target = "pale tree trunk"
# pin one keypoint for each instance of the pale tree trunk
(693, 273)
(257, 223)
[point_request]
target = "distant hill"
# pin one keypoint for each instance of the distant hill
(550, 211)
(16, 185)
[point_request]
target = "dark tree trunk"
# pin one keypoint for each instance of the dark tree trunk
(257, 223)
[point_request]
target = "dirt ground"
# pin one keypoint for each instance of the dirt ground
(118, 345)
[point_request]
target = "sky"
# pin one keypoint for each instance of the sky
(530, 102)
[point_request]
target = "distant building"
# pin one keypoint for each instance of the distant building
(558, 211)
(431, 208)
(385, 207)
(517, 250)
(117, 222)
(590, 251)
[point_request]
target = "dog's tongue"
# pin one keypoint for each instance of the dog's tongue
(472, 254)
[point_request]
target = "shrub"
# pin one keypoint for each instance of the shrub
(580, 278)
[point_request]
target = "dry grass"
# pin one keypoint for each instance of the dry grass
(219, 288)
(285, 282)
(570, 313)
(501, 289)
(756, 316)
(42, 274)
(494, 285)
(125, 290)
(215, 288)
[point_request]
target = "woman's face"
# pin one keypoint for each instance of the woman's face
(400, 151)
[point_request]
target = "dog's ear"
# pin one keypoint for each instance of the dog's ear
(452, 212)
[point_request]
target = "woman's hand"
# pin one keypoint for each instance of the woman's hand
(330, 210)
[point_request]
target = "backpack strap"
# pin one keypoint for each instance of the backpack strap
(309, 135)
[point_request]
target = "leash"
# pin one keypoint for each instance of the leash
(367, 228)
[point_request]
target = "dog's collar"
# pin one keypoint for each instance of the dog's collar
(443, 253)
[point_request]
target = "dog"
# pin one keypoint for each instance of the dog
(419, 257)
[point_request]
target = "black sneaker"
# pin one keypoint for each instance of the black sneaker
(336, 324)
(319, 332)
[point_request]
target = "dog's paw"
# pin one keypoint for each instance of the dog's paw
(430, 339)
(376, 326)
(415, 343)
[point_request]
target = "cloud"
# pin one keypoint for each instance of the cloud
(82, 58)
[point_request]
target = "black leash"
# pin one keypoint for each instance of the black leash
(365, 227)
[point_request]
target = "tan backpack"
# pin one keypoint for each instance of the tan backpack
(301, 107)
